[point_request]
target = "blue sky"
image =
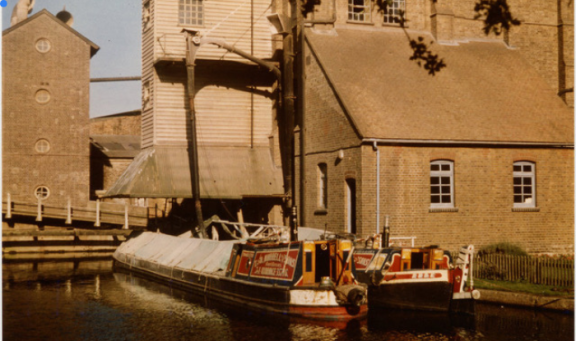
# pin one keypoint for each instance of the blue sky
(114, 25)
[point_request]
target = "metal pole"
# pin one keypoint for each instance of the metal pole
(386, 234)
(8, 207)
(97, 223)
(39, 215)
(190, 57)
(126, 216)
(68, 212)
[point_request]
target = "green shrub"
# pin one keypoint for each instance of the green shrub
(502, 248)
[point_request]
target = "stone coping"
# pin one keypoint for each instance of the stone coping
(559, 303)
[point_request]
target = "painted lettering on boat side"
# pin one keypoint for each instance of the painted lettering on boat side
(275, 264)
(245, 263)
(361, 261)
(414, 276)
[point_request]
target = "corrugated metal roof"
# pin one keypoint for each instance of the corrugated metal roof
(117, 146)
(225, 172)
(487, 92)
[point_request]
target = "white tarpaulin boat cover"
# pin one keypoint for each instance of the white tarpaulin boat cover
(203, 255)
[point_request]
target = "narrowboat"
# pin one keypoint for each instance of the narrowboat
(417, 278)
(306, 279)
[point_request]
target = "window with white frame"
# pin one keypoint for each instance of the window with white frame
(524, 174)
(394, 11)
(359, 10)
(191, 12)
(441, 184)
(322, 186)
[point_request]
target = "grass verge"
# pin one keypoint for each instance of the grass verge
(536, 289)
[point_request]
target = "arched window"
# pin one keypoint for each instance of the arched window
(322, 186)
(524, 174)
(441, 184)
(359, 10)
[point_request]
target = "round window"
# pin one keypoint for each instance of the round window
(42, 146)
(42, 96)
(42, 192)
(43, 45)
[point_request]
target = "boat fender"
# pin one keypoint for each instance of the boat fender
(351, 294)
(356, 297)
(476, 294)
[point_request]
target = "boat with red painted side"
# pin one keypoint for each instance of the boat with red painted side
(417, 278)
(313, 280)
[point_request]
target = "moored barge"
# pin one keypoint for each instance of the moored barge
(417, 278)
(303, 279)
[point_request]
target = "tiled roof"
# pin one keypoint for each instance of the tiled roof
(93, 47)
(487, 92)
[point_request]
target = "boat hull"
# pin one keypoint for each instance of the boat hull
(173, 261)
(430, 296)
(262, 298)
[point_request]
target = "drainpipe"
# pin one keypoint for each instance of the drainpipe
(375, 147)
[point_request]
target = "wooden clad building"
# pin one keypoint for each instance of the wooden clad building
(234, 103)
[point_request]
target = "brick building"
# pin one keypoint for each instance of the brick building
(45, 111)
(481, 152)
(114, 142)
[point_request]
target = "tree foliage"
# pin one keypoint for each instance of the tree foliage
(496, 14)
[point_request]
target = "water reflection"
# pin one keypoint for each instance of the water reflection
(88, 301)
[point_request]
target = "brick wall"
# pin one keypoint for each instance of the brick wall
(62, 121)
(483, 184)
(120, 124)
(483, 196)
(328, 132)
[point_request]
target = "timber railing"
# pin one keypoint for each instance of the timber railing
(96, 211)
(553, 271)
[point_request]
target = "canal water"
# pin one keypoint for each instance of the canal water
(87, 300)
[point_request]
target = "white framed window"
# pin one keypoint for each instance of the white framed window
(43, 45)
(42, 146)
(394, 11)
(359, 10)
(191, 12)
(42, 192)
(322, 186)
(524, 174)
(442, 184)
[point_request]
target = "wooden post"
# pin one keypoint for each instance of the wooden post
(69, 212)
(8, 206)
(125, 216)
(97, 223)
(39, 215)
